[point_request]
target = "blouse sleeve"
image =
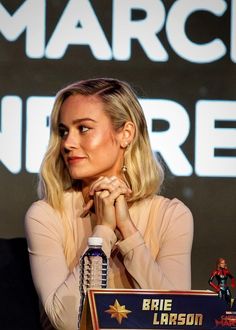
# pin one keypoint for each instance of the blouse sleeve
(58, 289)
(170, 269)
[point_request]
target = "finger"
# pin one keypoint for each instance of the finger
(87, 207)
(104, 209)
(99, 198)
(102, 194)
(95, 182)
(109, 184)
(112, 188)
(121, 191)
(109, 198)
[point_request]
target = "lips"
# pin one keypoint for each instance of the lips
(75, 159)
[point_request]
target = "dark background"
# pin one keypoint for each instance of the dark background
(211, 199)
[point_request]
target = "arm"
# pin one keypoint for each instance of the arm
(58, 289)
(232, 279)
(170, 269)
(233, 282)
(211, 282)
(56, 285)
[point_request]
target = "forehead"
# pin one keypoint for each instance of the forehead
(77, 106)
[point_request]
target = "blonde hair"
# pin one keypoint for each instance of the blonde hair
(144, 173)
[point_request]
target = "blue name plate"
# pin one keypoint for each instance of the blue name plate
(151, 309)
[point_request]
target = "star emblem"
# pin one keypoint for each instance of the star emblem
(117, 311)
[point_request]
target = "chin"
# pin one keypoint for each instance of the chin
(76, 176)
(80, 176)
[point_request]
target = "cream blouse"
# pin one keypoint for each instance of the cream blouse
(157, 256)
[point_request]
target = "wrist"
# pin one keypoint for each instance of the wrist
(127, 230)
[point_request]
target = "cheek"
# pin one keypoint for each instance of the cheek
(99, 141)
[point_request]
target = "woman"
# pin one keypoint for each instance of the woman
(221, 275)
(100, 178)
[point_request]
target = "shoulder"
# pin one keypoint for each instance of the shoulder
(214, 272)
(39, 207)
(176, 207)
(171, 215)
(41, 211)
(228, 272)
(41, 217)
(43, 208)
(169, 207)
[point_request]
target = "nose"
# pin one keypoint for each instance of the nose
(70, 142)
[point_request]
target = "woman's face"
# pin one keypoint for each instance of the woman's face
(89, 145)
(222, 263)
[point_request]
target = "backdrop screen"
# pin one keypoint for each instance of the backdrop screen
(180, 57)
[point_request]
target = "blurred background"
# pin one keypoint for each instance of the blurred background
(180, 58)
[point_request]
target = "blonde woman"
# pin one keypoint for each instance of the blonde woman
(99, 178)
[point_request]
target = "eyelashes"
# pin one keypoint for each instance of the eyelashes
(83, 129)
(63, 131)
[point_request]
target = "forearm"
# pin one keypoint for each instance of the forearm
(62, 306)
(170, 272)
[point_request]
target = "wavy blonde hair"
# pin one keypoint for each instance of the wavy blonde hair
(144, 173)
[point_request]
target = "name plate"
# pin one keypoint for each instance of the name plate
(150, 309)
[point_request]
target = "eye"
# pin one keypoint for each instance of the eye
(83, 129)
(62, 131)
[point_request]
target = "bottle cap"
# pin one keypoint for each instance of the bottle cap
(95, 241)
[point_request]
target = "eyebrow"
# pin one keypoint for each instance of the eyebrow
(78, 121)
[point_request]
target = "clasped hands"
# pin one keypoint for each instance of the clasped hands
(108, 195)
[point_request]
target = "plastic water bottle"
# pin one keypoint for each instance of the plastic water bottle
(93, 268)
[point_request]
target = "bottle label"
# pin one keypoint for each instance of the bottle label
(94, 272)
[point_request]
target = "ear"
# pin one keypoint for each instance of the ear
(127, 134)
